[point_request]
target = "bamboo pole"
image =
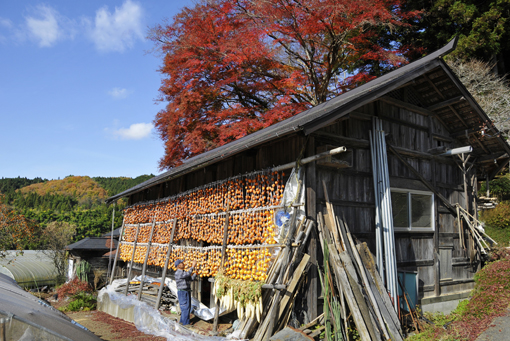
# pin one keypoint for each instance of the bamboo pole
(117, 252)
(165, 268)
(223, 251)
(144, 268)
(132, 261)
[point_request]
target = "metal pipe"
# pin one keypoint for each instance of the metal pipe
(390, 232)
(378, 236)
(310, 159)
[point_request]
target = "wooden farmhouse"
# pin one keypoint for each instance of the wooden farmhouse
(426, 115)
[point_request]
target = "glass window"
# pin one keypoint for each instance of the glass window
(400, 208)
(412, 210)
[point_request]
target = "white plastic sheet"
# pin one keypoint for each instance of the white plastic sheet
(293, 194)
(148, 320)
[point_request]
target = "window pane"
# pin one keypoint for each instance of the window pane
(421, 208)
(400, 208)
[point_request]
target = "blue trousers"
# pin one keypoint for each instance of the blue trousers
(185, 304)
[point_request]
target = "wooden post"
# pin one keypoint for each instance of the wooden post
(111, 241)
(117, 252)
(223, 250)
(132, 260)
(165, 268)
(144, 268)
(312, 291)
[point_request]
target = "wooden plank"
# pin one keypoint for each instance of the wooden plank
(317, 332)
(296, 275)
(331, 218)
(352, 276)
(343, 282)
(372, 295)
(368, 261)
(312, 323)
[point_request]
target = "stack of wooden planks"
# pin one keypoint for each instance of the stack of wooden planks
(355, 285)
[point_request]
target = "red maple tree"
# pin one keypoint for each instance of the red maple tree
(232, 67)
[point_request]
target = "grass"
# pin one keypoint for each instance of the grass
(500, 235)
(490, 298)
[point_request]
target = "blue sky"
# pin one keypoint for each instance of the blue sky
(78, 87)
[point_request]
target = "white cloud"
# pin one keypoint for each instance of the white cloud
(119, 30)
(5, 22)
(136, 131)
(118, 93)
(46, 26)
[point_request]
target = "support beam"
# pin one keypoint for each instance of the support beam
(132, 260)
(312, 287)
(117, 253)
(446, 103)
(165, 268)
(425, 182)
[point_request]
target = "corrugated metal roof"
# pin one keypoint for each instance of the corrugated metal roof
(309, 120)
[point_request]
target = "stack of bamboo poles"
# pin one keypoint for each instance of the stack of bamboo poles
(478, 235)
(286, 276)
(359, 288)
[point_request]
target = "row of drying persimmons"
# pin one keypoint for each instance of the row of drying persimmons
(248, 264)
(259, 190)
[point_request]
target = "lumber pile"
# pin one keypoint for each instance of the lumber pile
(353, 290)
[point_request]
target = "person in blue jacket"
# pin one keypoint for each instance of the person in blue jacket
(183, 279)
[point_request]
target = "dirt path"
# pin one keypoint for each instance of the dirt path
(109, 328)
(112, 328)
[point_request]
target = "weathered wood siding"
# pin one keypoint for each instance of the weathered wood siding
(352, 194)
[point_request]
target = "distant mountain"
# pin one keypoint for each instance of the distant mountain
(77, 200)
(78, 187)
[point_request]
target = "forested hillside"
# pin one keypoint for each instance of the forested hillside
(77, 200)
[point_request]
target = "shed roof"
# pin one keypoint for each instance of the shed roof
(441, 95)
(116, 233)
(92, 243)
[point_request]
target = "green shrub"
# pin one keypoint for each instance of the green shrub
(499, 187)
(498, 217)
(81, 301)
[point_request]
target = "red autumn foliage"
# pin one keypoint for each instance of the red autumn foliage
(16, 231)
(234, 67)
(73, 287)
